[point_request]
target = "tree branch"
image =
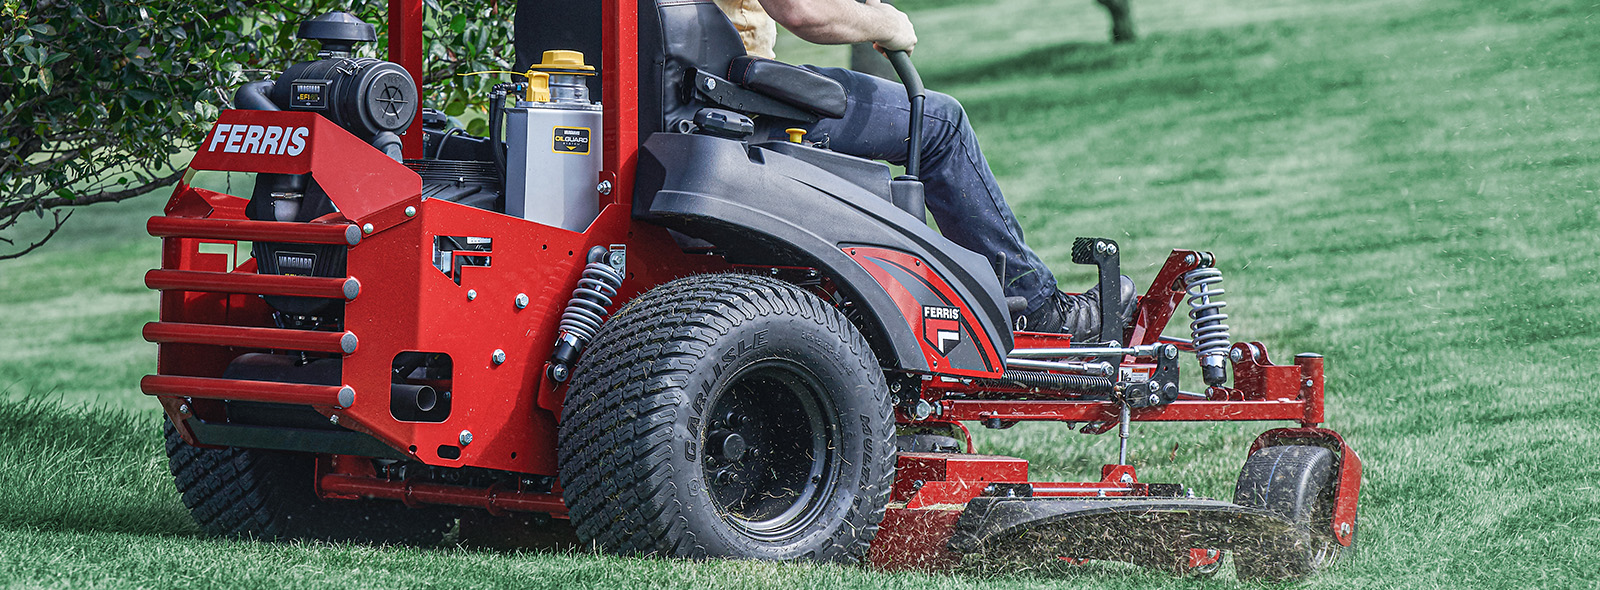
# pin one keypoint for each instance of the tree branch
(59, 221)
(102, 197)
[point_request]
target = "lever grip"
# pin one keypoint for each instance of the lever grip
(915, 93)
(907, 72)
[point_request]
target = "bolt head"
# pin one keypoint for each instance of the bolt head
(472, 294)
(1126, 478)
(1154, 386)
(1308, 383)
(1236, 355)
(183, 409)
(1111, 248)
(499, 356)
(1155, 399)
(411, 211)
(334, 419)
(604, 187)
(1169, 351)
(465, 438)
(1188, 259)
(559, 373)
(522, 300)
(923, 410)
(366, 228)
(711, 84)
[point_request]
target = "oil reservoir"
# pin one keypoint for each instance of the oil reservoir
(553, 149)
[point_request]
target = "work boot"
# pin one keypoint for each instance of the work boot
(1078, 314)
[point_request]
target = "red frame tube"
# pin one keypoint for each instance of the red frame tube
(229, 282)
(413, 493)
(241, 390)
(256, 231)
(405, 48)
(240, 336)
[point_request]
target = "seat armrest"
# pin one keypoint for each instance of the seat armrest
(793, 85)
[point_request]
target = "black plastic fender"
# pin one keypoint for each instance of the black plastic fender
(758, 206)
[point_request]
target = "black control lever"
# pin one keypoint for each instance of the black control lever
(914, 91)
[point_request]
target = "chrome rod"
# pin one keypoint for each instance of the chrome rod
(1080, 368)
(1122, 433)
(1148, 350)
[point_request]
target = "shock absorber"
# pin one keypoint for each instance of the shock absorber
(585, 311)
(1211, 339)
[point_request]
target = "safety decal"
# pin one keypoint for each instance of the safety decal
(571, 140)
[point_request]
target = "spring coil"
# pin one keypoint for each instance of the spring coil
(1059, 382)
(1211, 338)
(587, 308)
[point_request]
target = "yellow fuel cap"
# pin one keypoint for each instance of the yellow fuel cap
(796, 134)
(563, 61)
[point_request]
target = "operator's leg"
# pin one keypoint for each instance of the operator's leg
(961, 192)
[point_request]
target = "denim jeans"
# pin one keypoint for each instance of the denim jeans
(961, 192)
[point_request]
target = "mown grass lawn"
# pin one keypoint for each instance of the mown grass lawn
(1407, 186)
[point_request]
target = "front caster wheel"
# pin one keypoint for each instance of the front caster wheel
(728, 416)
(1296, 482)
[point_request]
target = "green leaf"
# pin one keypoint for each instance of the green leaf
(455, 107)
(458, 23)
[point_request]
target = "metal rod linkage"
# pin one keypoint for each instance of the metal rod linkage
(1144, 351)
(1081, 368)
(1122, 433)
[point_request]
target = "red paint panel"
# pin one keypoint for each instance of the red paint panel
(872, 259)
(356, 176)
(915, 540)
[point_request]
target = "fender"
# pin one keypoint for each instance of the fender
(758, 206)
(1348, 475)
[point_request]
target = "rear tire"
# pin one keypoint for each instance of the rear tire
(728, 416)
(252, 493)
(1296, 482)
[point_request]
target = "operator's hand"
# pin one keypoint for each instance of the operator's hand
(898, 34)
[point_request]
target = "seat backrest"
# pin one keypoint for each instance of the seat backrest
(674, 36)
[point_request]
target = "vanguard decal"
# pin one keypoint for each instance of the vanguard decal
(259, 139)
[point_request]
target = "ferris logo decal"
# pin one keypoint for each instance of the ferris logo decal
(941, 327)
(259, 139)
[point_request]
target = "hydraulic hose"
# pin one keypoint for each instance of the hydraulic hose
(497, 103)
(914, 91)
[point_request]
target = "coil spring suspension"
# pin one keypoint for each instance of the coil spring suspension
(1211, 338)
(585, 312)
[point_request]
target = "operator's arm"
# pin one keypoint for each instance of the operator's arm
(835, 22)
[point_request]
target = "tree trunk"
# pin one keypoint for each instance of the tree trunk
(1121, 20)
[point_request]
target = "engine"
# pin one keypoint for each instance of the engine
(373, 99)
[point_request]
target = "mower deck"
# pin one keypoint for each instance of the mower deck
(982, 508)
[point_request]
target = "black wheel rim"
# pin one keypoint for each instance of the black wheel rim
(769, 450)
